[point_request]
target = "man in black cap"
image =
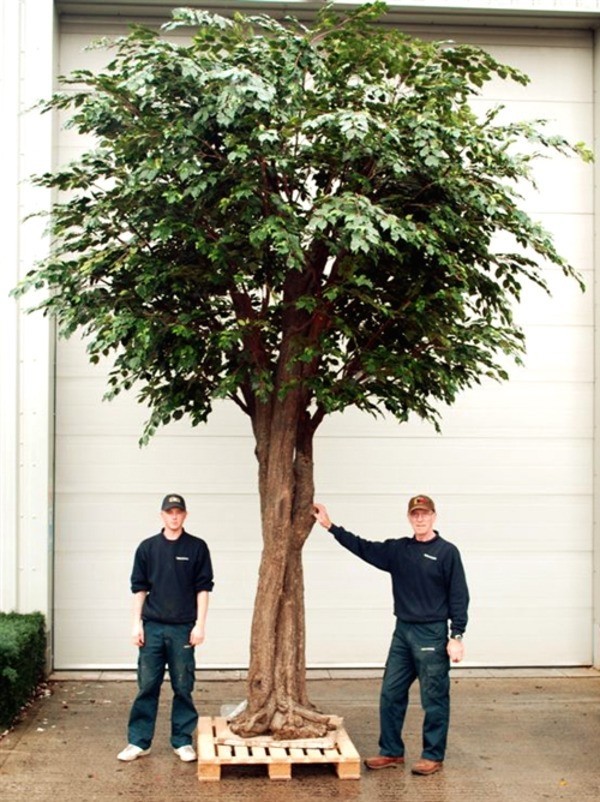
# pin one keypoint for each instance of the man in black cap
(171, 579)
(430, 604)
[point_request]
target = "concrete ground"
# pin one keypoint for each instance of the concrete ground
(515, 737)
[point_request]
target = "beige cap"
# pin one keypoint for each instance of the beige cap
(421, 503)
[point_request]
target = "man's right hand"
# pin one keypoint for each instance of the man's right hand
(320, 513)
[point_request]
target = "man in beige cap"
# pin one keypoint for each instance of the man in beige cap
(430, 604)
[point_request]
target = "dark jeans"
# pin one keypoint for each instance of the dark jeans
(416, 651)
(165, 644)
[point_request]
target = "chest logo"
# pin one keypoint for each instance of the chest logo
(430, 557)
(183, 558)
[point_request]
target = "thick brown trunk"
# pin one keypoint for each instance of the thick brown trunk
(276, 694)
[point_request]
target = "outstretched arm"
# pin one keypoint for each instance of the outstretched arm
(375, 553)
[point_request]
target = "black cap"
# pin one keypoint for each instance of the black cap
(173, 500)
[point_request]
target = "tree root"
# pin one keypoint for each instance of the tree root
(284, 722)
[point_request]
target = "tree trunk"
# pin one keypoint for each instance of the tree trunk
(276, 690)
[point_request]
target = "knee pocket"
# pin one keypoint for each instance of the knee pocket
(435, 678)
(183, 673)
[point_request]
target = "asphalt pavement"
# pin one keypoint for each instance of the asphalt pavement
(515, 736)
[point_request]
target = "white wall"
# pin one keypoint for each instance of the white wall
(512, 472)
(27, 47)
(596, 545)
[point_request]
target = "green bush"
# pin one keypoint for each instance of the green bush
(22, 661)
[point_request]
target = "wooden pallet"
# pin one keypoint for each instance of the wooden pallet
(213, 754)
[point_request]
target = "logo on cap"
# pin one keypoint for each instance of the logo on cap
(421, 503)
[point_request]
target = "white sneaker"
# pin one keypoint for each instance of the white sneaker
(186, 753)
(132, 752)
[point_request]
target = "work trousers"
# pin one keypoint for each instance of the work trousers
(164, 645)
(416, 651)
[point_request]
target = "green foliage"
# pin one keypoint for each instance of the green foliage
(22, 661)
(272, 208)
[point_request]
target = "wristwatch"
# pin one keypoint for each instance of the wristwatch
(456, 637)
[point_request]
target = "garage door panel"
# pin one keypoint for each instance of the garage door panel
(108, 639)
(350, 636)
(531, 580)
(218, 466)
(524, 637)
(513, 468)
(514, 410)
(221, 466)
(569, 83)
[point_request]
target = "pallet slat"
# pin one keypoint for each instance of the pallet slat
(279, 760)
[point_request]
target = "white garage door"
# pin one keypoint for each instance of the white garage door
(512, 472)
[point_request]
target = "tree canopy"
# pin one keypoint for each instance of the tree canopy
(270, 206)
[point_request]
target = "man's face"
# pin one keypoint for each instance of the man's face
(173, 518)
(422, 522)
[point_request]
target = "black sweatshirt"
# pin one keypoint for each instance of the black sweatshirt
(428, 579)
(173, 572)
